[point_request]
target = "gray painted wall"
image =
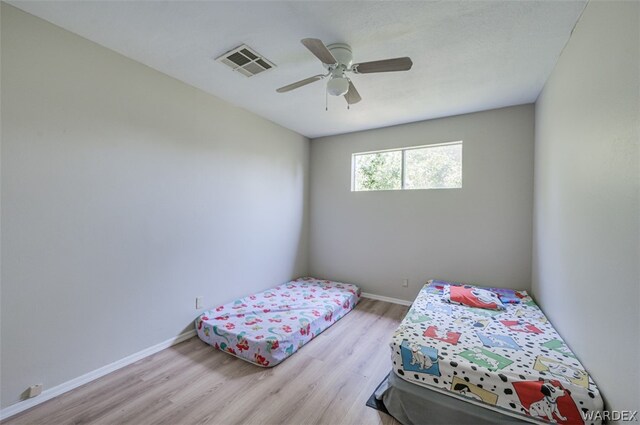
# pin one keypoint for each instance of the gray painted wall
(480, 233)
(586, 238)
(126, 194)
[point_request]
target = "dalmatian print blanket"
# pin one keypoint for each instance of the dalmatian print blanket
(268, 327)
(509, 360)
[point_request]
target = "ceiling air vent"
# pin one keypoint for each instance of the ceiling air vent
(246, 61)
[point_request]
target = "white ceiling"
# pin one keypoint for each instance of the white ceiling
(468, 55)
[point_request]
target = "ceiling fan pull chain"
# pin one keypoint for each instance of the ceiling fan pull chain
(326, 101)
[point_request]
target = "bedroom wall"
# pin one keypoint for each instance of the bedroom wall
(480, 233)
(126, 194)
(586, 238)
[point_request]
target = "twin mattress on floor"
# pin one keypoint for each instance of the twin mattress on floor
(268, 327)
(510, 360)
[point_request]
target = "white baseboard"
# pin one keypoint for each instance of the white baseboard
(88, 377)
(21, 406)
(387, 299)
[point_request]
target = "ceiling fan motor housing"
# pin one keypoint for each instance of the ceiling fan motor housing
(342, 53)
(338, 85)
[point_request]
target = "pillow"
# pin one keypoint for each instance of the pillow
(506, 295)
(471, 296)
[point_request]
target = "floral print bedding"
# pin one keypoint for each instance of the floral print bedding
(510, 360)
(268, 327)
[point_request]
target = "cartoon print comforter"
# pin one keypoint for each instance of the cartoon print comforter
(512, 361)
(268, 327)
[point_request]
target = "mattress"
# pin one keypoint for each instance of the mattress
(270, 326)
(412, 404)
(511, 360)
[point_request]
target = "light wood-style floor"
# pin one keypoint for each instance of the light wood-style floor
(327, 382)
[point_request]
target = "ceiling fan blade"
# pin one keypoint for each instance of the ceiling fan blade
(352, 96)
(387, 65)
(320, 51)
(300, 83)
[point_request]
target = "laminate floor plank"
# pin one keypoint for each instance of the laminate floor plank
(327, 382)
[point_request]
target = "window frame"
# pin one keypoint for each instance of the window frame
(403, 165)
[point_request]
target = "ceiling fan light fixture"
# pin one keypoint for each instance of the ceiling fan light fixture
(338, 86)
(337, 59)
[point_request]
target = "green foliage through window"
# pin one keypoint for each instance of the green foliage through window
(378, 171)
(426, 167)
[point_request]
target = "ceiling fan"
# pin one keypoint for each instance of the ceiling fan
(338, 60)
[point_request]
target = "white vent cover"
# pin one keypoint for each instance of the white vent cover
(246, 61)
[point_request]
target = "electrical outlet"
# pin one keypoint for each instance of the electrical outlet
(199, 302)
(34, 390)
(405, 283)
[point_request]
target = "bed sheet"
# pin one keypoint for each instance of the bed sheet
(268, 327)
(510, 360)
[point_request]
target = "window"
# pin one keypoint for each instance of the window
(421, 167)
